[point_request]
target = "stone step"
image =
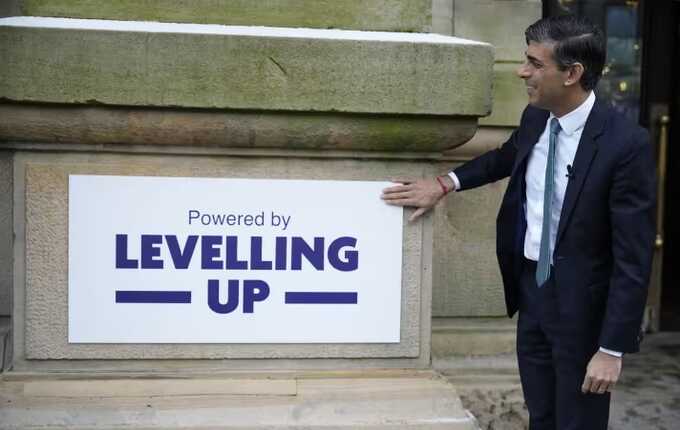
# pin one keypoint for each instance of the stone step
(411, 401)
(489, 387)
(152, 64)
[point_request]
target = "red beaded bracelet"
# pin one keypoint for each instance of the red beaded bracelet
(441, 183)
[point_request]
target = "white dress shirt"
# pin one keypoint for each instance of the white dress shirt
(572, 125)
(565, 149)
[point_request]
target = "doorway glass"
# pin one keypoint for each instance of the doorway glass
(621, 22)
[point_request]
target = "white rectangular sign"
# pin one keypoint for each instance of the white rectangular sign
(206, 260)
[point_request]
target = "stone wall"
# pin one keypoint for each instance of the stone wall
(465, 275)
(375, 15)
(466, 278)
(139, 98)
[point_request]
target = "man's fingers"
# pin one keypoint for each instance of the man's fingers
(602, 373)
(397, 189)
(587, 383)
(596, 386)
(404, 181)
(399, 202)
(604, 386)
(607, 385)
(397, 195)
(418, 213)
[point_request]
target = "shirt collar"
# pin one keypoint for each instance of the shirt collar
(576, 119)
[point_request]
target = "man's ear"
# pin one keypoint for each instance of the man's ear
(574, 73)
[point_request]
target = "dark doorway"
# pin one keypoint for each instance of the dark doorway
(661, 96)
(641, 80)
(670, 294)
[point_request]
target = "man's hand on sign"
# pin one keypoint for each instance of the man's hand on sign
(419, 193)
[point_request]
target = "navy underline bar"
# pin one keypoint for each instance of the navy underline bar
(153, 296)
(320, 297)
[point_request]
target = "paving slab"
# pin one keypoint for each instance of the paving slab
(647, 396)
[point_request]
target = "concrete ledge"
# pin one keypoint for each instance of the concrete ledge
(416, 401)
(100, 125)
(386, 15)
(263, 68)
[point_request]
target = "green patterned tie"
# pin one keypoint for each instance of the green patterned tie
(543, 266)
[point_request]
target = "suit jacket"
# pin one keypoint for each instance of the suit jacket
(604, 246)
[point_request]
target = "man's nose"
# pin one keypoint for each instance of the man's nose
(523, 71)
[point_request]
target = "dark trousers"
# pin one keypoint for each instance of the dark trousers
(553, 351)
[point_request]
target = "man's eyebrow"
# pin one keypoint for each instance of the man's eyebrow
(533, 59)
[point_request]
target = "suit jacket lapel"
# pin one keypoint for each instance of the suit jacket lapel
(587, 148)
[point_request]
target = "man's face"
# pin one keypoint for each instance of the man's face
(544, 81)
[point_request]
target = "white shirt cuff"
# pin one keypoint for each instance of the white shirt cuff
(456, 182)
(610, 352)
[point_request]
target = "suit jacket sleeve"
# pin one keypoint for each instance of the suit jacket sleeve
(632, 203)
(490, 166)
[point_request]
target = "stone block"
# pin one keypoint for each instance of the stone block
(469, 337)
(509, 97)
(374, 15)
(101, 125)
(46, 260)
(486, 139)
(219, 67)
(10, 8)
(442, 17)
(499, 22)
(466, 278)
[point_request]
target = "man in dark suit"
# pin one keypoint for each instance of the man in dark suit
(574, 231)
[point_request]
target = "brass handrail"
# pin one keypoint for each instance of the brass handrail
(661, 184)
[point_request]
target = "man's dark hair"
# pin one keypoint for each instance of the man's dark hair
(576, 40)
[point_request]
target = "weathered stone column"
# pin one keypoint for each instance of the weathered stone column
(136, 98)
